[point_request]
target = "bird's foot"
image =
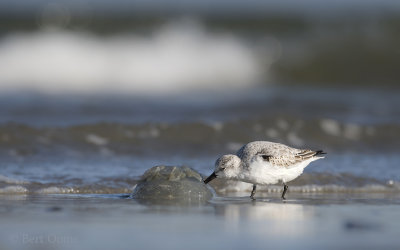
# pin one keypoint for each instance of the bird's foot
(253, 192)
(285, 188)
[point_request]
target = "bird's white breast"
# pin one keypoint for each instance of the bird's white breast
(263, 173)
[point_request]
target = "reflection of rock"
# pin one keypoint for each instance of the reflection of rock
(168, 184)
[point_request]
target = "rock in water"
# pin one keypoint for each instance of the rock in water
(170, 184)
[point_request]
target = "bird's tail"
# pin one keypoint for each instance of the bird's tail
(319, 152)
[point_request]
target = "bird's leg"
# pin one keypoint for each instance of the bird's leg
(285, 188)
(253, 192)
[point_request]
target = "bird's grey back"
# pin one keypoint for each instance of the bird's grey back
(274, 149)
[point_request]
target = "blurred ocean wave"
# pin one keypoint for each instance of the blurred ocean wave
(197, 137)
(313, 183)
(103, 143)
(162, 53)
(333, 110)
(176, 57)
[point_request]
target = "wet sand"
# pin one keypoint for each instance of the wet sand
(304, 221)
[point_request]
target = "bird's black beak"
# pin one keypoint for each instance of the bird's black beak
(210, 178)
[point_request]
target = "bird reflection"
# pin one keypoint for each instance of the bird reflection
(265, 216)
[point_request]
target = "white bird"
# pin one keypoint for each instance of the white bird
(263, 163)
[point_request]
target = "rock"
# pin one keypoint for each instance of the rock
(170, 184)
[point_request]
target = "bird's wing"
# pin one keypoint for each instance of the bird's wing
(305, 154)
(276, 153)
(291, 157)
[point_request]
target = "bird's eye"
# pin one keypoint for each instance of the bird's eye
(265, 157)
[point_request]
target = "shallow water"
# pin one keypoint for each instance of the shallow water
(108, 221)
(102, 144)
(119, 174)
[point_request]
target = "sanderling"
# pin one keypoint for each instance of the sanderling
(264, 162)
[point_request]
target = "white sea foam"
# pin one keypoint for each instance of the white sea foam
(96, 139)
(176, 57)
(56, 190)
(271, 132)
(282, 124)
(294, 139)
(330, 127)
(352, 131)
(13, 190)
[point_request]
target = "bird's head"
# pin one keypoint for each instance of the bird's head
(227, 167)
